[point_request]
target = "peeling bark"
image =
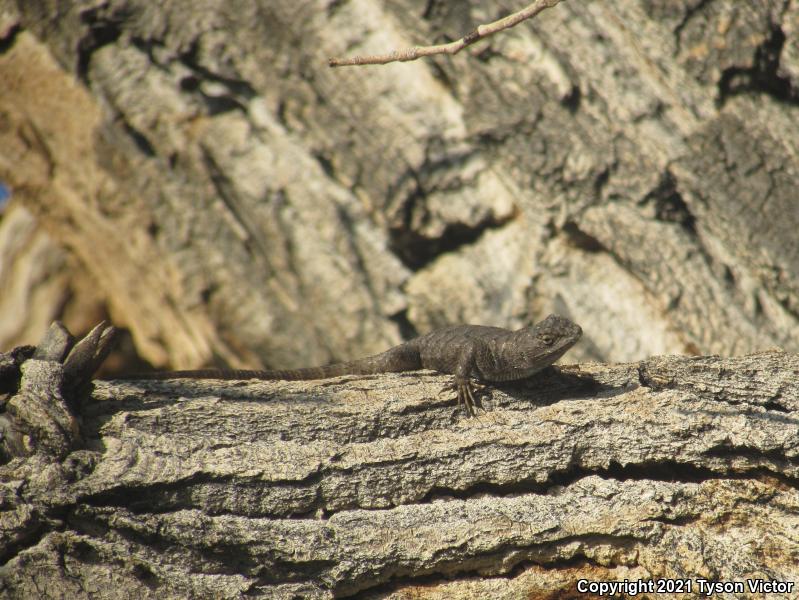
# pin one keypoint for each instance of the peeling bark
(628, 162)
(235, 202)
(376, 486)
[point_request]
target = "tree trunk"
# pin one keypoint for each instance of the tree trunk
(199, 174)
(671, 468)
(632, 163)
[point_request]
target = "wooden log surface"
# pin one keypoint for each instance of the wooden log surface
(200, 176)
(377, 486)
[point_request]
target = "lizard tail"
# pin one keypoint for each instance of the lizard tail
(227, 374)
(235, 374)
(399, 358)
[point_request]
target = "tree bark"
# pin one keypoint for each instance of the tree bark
(670, 468)
(203, 177)
(627, 162)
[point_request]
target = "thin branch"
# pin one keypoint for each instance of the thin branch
(482, 31)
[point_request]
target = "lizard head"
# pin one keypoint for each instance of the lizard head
(533, 348)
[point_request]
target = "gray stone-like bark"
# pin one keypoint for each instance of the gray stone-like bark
(238, 202)
(669, 468)
(232, 200)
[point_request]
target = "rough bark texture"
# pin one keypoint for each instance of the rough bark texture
(375, 487)
(197, 169)
(632, 163)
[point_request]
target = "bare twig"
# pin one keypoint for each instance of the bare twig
(482, 31)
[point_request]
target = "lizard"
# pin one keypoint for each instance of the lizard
(468, 352)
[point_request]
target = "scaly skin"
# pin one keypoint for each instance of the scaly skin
(488, 354)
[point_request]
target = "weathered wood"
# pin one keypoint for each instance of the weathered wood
(669, 468)
(625, 162)
(40, 415)
(232, 200)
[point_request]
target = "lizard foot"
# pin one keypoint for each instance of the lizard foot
(466, 395)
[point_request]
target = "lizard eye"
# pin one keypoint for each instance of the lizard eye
(546, 338)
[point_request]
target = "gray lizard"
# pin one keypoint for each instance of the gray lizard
(487, 354)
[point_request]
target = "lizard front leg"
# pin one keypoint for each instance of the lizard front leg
(456, 354)
(463, 382)
(467, 393)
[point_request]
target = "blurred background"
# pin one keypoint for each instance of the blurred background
(197, 174)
